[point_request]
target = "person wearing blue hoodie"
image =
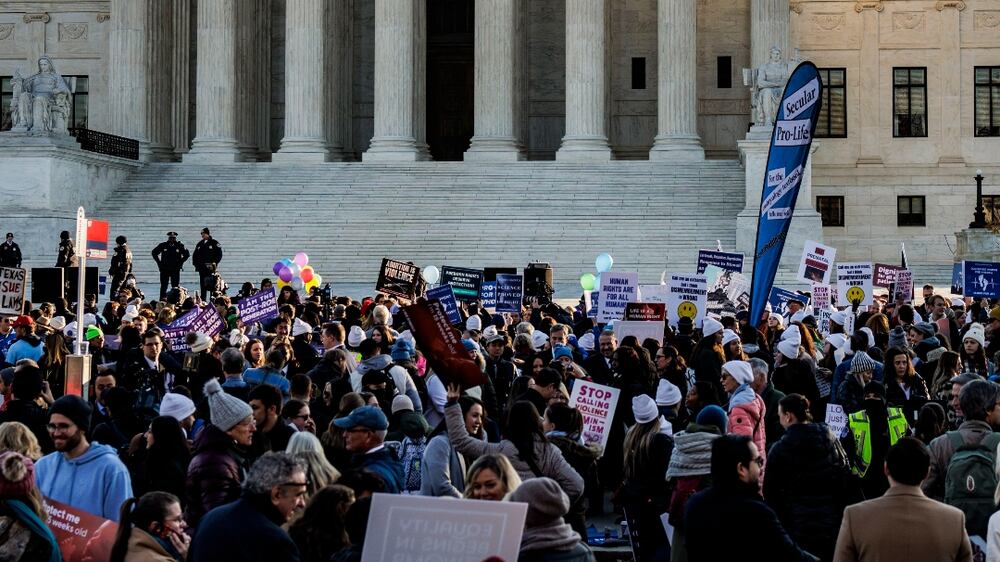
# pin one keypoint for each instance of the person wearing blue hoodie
(84, 475)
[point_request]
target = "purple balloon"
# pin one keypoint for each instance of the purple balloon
(277, 267)
(285, 274)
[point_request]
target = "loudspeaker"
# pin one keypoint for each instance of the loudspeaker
(46, 284)
(91, 283)
(538, 280)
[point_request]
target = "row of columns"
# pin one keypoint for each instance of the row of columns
(229, 127)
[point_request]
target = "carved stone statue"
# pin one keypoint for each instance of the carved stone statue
(768, 83)
(41, 102)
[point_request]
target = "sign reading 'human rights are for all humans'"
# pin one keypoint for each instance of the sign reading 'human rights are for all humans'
(617, 290)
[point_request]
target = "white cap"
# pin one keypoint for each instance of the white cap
(729, 336)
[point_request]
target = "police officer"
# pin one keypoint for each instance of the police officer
(121, 265)
(170, 257)
(67, 253)
(10, 253)
(207, 255)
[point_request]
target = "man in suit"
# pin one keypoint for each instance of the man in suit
(598, 365)
(904, 524)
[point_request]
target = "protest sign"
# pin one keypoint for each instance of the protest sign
(646, 311)
(261, 306)
(641, 329)
(903, 290)
(981, 279)
(836, 419)
(820, 297)
(688, 297)
(409, 528)
(779, 300)
(175, 331)
(592, 311)
(817, 263)
(465, 282)
(441, 345)
(957, 278)
(82, 536)
(398, 278)
(727, 290)
(616, 291)
(885, 275)
(729, 261)
(823, 320)
(97, 239)
(653, 293)
(445, 295)
(854, 283)
(208, 322)
(597, 404)
(12, 287)
(510, 293)
(488, 294)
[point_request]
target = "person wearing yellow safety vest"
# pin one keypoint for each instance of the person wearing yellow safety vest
(872, 431)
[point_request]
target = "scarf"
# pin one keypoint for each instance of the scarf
(30, 519)
(692, 454)
(557, 535)
(742, 395)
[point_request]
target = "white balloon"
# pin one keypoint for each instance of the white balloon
(431, 274)
(296, 270)
(297, 283)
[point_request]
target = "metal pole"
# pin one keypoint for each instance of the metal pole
(81, 245)
(979, 217)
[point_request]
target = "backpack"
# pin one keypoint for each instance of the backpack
(972, 479)
(411, 454)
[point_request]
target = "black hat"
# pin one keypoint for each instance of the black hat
(64, 235)
(75, 408)
(121, 240)
(205, 231)
(172, 234)
(875, 387)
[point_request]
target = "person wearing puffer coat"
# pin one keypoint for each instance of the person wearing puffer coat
(794, 370)
(746, 408)
(809, 479)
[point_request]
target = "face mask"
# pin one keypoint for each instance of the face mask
(874, 404)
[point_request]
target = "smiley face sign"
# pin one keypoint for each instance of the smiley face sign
(687, 309)
(855, 294)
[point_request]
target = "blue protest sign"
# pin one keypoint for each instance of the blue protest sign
(791, 140)
(259, 307)
(729, 261)
(982, 279)
(445, 295)
(510, 292)
(488, 294)
(779, 299)
(957, 281)
(174, 333)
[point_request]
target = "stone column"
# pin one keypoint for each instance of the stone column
(128, 73)
(262, 50)
(497, 90)
(768, 27)
(181, 75)
(868, 80)
(338, 62)
(160, 38)
(215, 123)
(951, 83)
(586, 82)
(677, 79)
(305, 87)
(399, 82)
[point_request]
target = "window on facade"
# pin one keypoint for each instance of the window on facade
(79, 85)
(909, 102)
(987, 101)
(724, 70)
(831, 209)
(910, 211)
(638, 73)
(833, 113)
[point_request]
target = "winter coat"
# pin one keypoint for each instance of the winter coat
(67, 254)
(548, 458)
(752, 530)
(707, 365)
(443, 471)
(206, 252)
(384, 464)
(583, 459)
(10, 255)
(28, 347)
(246, 529)
(796, 376)
(748, 419)
(32, 415)
(143, 547)
(214, 475)
(851, 394)
(96, 482)
(942, 449)
(121, 261)
(170, 256)
(807, 485)
(772, 422)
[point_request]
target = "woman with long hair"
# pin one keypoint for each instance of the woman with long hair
(53, 363)
(22, 513)
(700, 395)
(319, 472)
(563, 427)
(746, 408)
(163, 466)
(645, 493)
(15, 436)
(949, 365)
(973, 351)
(732, 346)
(672, 367)
(443, 471)
(253, 352)
(708, 356)
(902, 382)
(151, 529)
(525, 444)
(321, 530)
(491, 478)
(879, 325)
(333, 438)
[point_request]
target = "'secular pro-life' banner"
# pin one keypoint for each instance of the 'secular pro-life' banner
(786, 160)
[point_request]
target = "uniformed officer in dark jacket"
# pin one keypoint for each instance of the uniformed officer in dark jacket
(10, 253)
(67, 253)
(207, 255)
(170, 257)
(121, 265)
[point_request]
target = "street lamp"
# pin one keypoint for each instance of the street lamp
(979, 217)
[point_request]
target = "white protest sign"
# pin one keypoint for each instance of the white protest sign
(688, 297)
(653, 293)
(406, 528)
(617, 290)
(823, 321)
(836, 418)
(12, 287)
(904, 286)
(817, 263)
(820, 297)
(640, 329)
(854, 283)
(597, 404)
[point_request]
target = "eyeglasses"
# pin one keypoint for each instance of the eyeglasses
(59, 427)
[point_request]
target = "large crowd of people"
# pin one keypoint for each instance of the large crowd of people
(267, 441)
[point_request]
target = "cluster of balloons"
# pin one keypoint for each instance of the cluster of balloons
(603, 264)
(431, 274)
(296, 273)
